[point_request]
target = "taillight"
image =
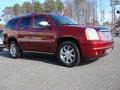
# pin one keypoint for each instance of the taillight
(91, 34)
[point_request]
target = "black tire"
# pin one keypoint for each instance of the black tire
(75, 60)
(18, 52)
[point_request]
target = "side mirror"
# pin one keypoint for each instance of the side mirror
(44, 24)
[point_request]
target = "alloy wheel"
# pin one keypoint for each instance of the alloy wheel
(67, 54)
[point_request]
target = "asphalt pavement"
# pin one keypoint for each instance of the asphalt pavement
(42, 72)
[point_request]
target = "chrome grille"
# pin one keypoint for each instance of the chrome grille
(107, 35)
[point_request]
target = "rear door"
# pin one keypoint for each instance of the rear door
(24, 33)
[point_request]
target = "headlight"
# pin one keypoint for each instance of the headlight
(91, 34)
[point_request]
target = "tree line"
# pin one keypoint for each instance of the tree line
(32, 7)
(83, 11)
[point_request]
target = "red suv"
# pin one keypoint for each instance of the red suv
(59, 35)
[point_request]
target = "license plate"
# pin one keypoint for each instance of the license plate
(1, 41)
(108, 50)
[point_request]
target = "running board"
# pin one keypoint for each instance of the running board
(37, 52)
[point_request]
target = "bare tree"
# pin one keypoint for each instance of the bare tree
(16, 9)
(68, 11)
(102, 12)
(83, 11)
(7, 13)
(26, 8)
(78, 9)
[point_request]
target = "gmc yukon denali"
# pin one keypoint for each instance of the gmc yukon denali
(60, 35)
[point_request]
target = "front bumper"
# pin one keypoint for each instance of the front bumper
(96, 49)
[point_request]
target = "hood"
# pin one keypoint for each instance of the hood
(79, 27)
(71, 27)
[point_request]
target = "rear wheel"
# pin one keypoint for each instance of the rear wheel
(68, 54)
(14, 50)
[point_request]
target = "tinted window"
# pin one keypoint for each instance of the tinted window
(37, 20)
(25, 23)
(12, 24)
(62, 20)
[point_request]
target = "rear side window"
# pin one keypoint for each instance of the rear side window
(12, 24)
(25, 23)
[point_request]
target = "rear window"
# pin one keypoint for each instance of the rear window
(11, 24)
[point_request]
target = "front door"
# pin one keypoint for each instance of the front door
(44, 37)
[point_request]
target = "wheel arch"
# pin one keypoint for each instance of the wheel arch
(74, 40)
(12, 39)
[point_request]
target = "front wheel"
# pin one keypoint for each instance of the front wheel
(68, 54)
(14, 50)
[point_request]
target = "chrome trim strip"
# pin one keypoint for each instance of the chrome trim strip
(105, 30)
(38, 52)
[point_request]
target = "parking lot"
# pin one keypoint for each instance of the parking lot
(42, 72)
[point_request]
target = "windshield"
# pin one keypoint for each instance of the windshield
(62, 20)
